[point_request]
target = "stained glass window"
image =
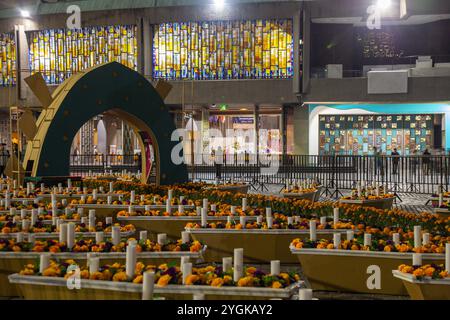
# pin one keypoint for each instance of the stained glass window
(253, 49)
(7, 59)
(59, 53)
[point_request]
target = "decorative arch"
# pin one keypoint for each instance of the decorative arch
(111, 88)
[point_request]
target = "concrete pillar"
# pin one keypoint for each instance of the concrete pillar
(23, 64)
(297, 80)
(306, 33)
(147, 48)
(301, 130)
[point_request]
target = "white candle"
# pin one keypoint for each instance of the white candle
(244, 204)
(233, 210)
(143, 235)
(205, 204)
(44, 262)
(19, 237)
(132, 196)
(259, 219)
(115, 235)
(130, 264)
(290, 221)
(31, 238)
(417, 259)
(199, 211)
(94, 194)
(130, 209)
(425, 239)
(162, 239)
(25, 225)
(108, 220)
(204, 218)
(323, 220)
(170, 194)
(64, 202)
(417, 236)
(69, 183)
(242, 221)
(275, 267)
(23, 214)
(13, 211)
(312, 230)
(53, 197)
(180, 208)
(441, 199)
(148, 285)
(111, 187)
(42, 187)
(350, 235)
(70, 235)
(63, 232)
(269, 221)
(94, 264)
(109, 199)
(91, 219)
(335, 216)
(337, 240)
(305, 294)
(28, 189)
(99, 236)
(367, 239)
(168, 206)
(238, 264)
(185, 237)
(447, 257)
(80, 211)
(34, 216)
(147, 208)
(186, 270)
(396, 238)
(183, 260)
(268, 212)
(84, 220)
(227, 264)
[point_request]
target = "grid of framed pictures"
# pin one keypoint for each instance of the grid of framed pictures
(358, 134)
(7, 59)
(59, 53)
(252, 49)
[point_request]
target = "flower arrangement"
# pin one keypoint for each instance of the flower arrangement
(169, 274)
(378, 218)
(280, 221)
(39, 227)
(432, 271)
(379, 243)
(89, 245)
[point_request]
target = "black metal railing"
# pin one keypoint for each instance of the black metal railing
(83, 165)
(415, 174)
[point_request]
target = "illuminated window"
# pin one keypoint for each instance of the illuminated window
(59, 53)
(256, 49)
(7, 59)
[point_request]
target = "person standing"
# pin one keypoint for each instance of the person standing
(395, 161)
(426, 159)
(378, 161)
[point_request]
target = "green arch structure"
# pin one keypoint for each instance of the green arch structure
(111, 88)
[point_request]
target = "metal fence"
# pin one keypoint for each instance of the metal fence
(415, 174)
(83, 165)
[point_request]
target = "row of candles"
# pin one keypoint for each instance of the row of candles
(229, 264)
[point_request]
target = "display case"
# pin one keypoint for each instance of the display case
(358, 134)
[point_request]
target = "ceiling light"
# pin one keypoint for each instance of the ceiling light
(219, 4)
(383, 4)
(25, 13)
